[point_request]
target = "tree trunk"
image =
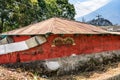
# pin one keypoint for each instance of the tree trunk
(1, 26)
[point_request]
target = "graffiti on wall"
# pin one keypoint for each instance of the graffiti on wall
(63, 41)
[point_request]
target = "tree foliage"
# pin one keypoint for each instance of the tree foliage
(19, 13)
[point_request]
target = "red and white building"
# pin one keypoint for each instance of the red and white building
(53, 38)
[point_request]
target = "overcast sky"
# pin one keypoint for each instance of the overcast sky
(89, 9)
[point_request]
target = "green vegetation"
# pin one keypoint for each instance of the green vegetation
(18, 13)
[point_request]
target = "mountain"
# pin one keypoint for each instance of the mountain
(100, 22)
(111, 12)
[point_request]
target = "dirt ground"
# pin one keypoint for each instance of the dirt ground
(16, 74)
(107, 71)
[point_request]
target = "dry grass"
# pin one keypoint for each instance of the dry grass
(17, 74)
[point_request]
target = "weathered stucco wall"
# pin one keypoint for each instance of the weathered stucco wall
(84, 44)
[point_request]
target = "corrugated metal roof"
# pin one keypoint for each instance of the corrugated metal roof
(58, 26)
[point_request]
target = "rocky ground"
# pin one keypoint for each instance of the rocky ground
(18, 74)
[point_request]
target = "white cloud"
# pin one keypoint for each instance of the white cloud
(88, 6)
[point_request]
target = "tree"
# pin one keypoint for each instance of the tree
(57, 8)
(4, 12)
(18, 13)
(67, 10)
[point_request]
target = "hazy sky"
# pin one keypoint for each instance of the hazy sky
(89, 9)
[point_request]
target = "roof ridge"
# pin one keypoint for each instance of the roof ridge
(57, 25)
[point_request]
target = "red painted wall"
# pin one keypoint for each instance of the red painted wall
(85, 44)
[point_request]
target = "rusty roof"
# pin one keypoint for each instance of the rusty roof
(58, 26)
